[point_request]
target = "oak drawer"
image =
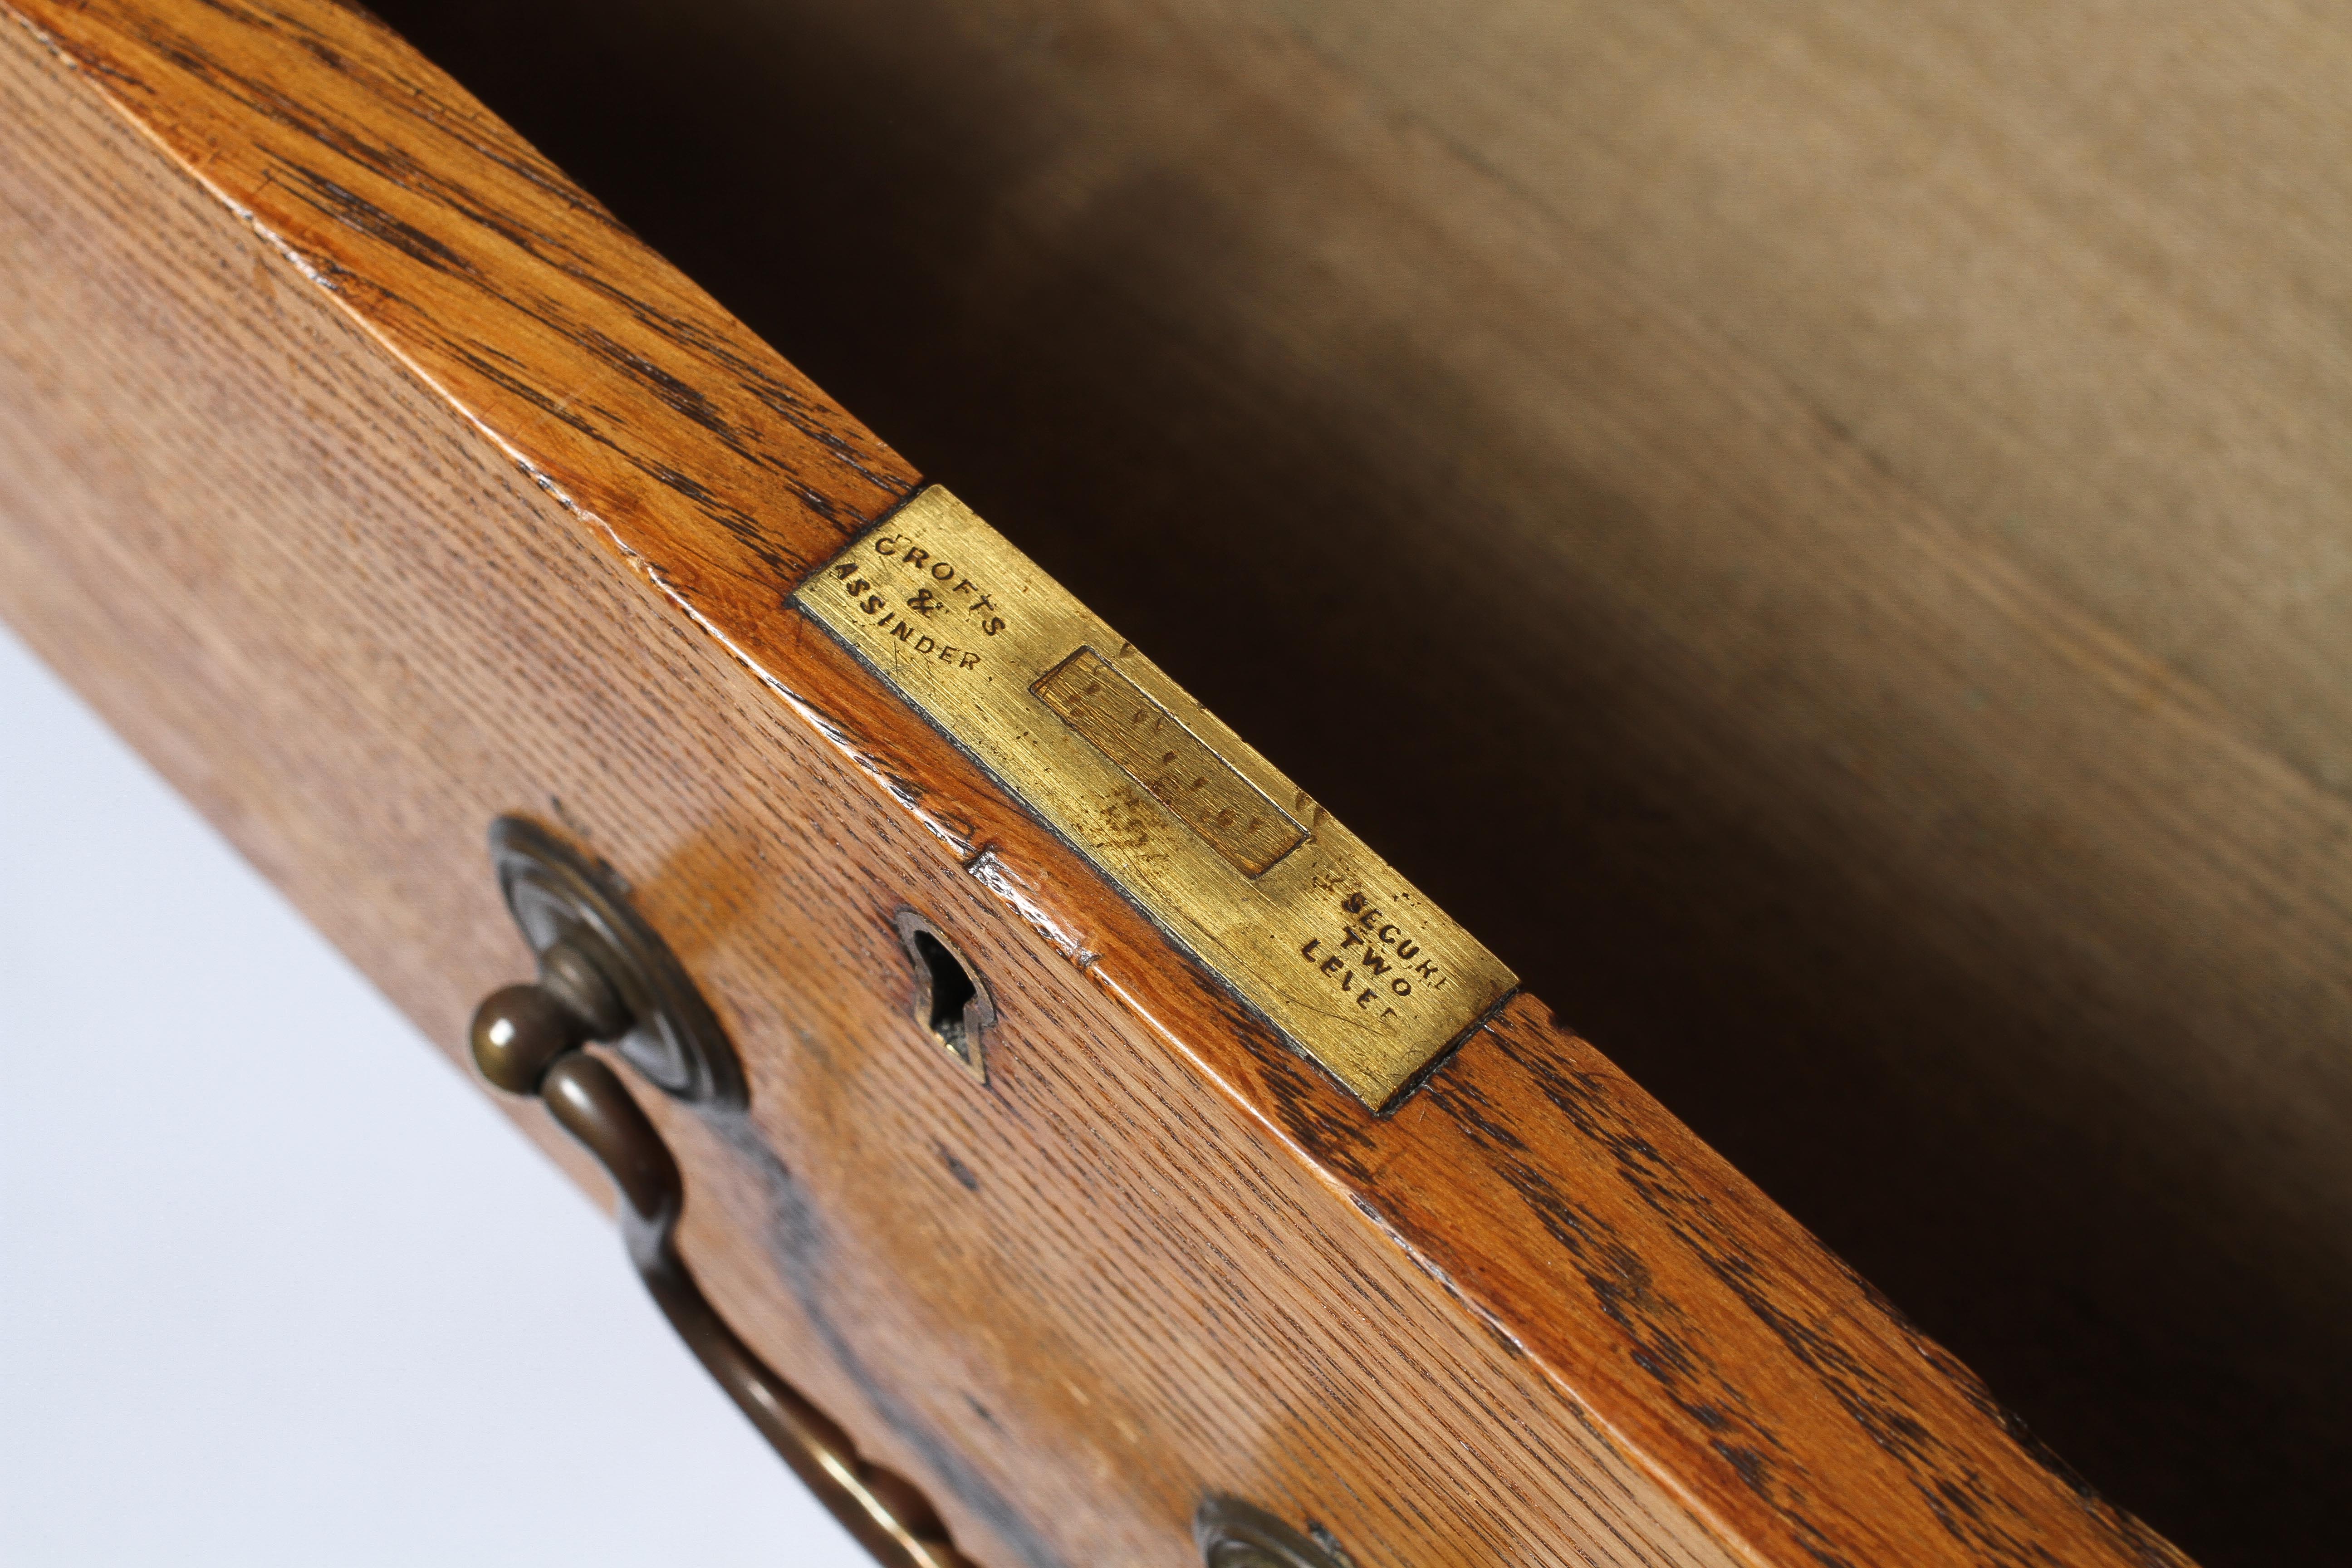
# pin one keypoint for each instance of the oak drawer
(1816, 539)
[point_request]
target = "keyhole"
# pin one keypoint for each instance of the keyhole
(949, 1003)
(951, 993)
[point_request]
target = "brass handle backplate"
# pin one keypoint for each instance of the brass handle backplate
(606, 976)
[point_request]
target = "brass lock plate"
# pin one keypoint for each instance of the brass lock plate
(1289, 909)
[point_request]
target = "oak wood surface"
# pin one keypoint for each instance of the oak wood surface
(1817, 530)
(1565, 1324)
(1009, 1295)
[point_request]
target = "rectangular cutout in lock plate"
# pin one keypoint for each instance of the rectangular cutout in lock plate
(1173, 764)
(1289, 908)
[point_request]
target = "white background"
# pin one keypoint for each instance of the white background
(276, 1284)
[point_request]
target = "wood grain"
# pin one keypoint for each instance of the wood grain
(1825, 523)
(359, 575)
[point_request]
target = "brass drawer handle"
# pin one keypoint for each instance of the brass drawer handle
(604, 975)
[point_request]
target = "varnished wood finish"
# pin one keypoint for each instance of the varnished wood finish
(1827, 522)
(302, 489)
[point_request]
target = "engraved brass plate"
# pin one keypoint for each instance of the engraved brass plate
(1173, 763)
(1289, 908)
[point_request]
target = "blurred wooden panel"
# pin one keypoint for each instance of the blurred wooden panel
(1854, 493)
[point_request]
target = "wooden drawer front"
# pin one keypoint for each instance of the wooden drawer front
(378, 482)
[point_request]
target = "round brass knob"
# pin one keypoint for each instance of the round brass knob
(601, 960)
(518, 1032)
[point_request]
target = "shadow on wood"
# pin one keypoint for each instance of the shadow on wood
(1697, 660)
